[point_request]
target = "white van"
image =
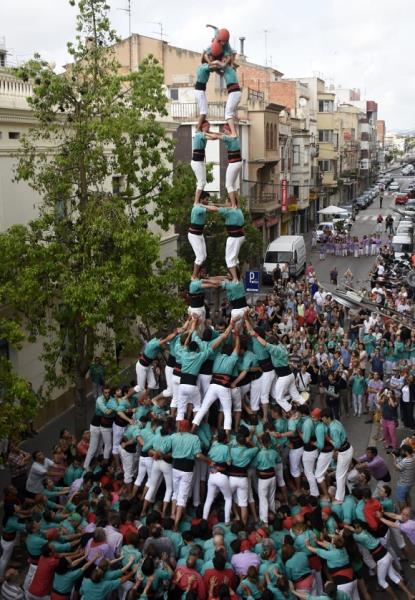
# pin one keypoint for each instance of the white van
(285, 250)
(402, 244)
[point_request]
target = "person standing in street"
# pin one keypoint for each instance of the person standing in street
(338, 438)
(381, 199)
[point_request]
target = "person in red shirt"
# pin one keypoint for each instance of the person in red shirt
(83, 444)
(41, 585)
(220, 573)
(186, 578)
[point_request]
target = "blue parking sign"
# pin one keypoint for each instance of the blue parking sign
(252, 281)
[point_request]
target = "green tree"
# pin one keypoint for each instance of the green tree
(18, 402)
(87, 271)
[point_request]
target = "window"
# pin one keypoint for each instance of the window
(275, 138)
(306, 154)
(116, 185)
(296, 155)
(325, 135)
(267, 137)
(2, 59)
(174, 94)
(326, 165)
(336, 140)
(4, 349)
(296, 190)
(325, 106)
(14, 135)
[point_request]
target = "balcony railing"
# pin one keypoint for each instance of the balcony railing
(9, 86)
(260, 195)
(190, 111)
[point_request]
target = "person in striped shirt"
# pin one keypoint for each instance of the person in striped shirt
(11, 590)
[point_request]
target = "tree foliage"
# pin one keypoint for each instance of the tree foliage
(88, 269)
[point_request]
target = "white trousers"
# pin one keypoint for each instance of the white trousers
(232, 104)
(117, 433)
(221, 393)
(279, 472)
(182, 485)
(200, 313)
(239, 489)
(7, 551)
(160, 469)
(233, 246)
(255, 394)
(384, 569)
(238, 314)
(309, 463)
(351, 589)
(266, 379)
(233, 172)
(188, 394)
(144, 376)
(106, 434)
(129, 464)
(201, 99)
(266, 495)
(29, 577)
(294, 458)
(94, 440)
(30, 596)
(236, 394)
(175, 382)
(285, 386)
(343, 462)
(200, 473)
(145, 465)
(198, 244)
(168, 373)
(203, 382)
(323, 463)
(199, 169)
(218, 482)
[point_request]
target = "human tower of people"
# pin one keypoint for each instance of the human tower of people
(227, 484)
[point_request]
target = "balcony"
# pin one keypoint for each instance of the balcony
(262, 197)
(329, 179)
(189, 111)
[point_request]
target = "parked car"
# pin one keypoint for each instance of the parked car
(401, 199)
(394, 186)
(323, 227)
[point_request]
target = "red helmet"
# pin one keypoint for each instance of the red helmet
(223, 35)
(216, 49)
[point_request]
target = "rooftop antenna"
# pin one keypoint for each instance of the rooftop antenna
(161, 29)
(128, 11)
(266, 32)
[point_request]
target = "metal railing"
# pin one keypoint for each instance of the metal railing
(260, 194)
(190, 110)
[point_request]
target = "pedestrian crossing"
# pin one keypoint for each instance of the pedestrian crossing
(367, 217)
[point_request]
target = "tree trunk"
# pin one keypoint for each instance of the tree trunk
(80, 406)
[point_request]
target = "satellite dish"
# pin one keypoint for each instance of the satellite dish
(410, 278)
(302, 101)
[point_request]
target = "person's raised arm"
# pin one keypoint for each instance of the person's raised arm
(217, 342)
(254, 334)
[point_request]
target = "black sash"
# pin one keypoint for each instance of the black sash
(238, 302)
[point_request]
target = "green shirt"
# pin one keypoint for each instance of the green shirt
(321, 431)
(260, 351)
(64, 583)
(230, 76)
(335, 557)
(152, 348)
(297, 566)
(232, 145)
(224, 364)
(203, 73)
(98, 591)
(161, 443)
(337, 434)
(241, 456)
(193, 361)
(307, 429)
(366, 539)
(195, 286)
(266, 459)
(234, 290)
(185, 445)
(13, 525)
(349, 509)
(219, 453)
(279, 355)
(233, 216)
(199, 143)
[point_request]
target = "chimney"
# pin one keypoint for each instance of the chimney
(242, 46)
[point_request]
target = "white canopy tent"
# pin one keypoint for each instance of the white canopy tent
(332, 210)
